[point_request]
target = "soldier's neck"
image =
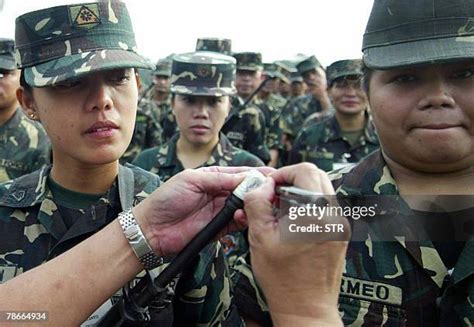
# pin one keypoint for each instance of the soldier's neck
(160, 96)
(349, 123)
(194, 155)
(92, 179)
(411, 181)
(7, 113)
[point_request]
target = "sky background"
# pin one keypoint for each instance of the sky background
(279, 29)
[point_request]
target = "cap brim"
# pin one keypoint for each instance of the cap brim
(216, 92)
(7, 62)
(344, 74)
(77, 65)
(419, 52)
(252, 68)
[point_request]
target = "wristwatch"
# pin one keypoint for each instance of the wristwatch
(137, 241)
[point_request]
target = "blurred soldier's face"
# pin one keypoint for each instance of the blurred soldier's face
(162, 83)
(284, 88)
(9, 83)
(425, 115)
(298, 88)
(200, 118)
(315, 80)
(347, 96)
(89, 120)
(247, 81)
(271, 86)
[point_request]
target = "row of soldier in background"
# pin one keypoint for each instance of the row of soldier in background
(284, 112)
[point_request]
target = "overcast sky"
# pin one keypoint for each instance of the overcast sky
(279, 29)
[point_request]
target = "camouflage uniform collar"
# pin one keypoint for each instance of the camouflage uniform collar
(219, 152)
(29, 190)
(372, 177)
(15, 120)
(369, 134)
(373, 170)
(32, 189)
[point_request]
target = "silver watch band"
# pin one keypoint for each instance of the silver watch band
(137, 241)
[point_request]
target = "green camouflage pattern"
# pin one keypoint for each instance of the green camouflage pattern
(418, 290)
(296, 77)
(285, 72)
(317, 117)
(203, 73)
(25, 147)
(296, 111)
(163, 67)
(324, 145)
(272, 70)
(249, 60)
(385, 283)
(7, 59)
(63, 42)
(405, 33)
(164, 161)
(147, 134)
(169, 124)
(308, 64)
(223, 46)
(33, 229)
(246, 129)
(341, 68)
(271, 114)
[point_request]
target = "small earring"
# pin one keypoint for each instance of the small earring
(33, 116)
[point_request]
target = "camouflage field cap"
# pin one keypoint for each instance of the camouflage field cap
(341, 68)
(214, 44)
(296, 77)
(7, 60)
(271, 70)
(308, 64)
(63, 42)
(163, 67)
(248, 60)
(203, 73)
(405, 32)
(285, 71)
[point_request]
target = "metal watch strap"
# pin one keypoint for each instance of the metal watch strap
(137, 241)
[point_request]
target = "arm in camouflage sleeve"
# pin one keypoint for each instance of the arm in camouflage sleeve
(154, 134)
(167, 224)
(299, 144)
(255, 139)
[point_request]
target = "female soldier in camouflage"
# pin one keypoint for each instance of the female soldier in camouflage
(201, 86)
(79, 80)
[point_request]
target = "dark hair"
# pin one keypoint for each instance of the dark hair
(366, 76)
(28, 89)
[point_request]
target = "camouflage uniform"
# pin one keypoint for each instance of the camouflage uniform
(296, 111)
(25, 147)
(147, 134)
(418, 291)
(164, 161)
(324, 145)
(299, 108)
(54, 45)
(245, 126)
(36, 228)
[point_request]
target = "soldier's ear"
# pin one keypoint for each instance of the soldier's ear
(27, 103)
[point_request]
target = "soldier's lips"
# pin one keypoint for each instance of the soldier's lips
(438, 126)
(102, 129)
(200, 129)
